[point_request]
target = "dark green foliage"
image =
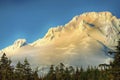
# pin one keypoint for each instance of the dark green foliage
(6, 70)
(115, 65)
(20, 72)
(69, 73)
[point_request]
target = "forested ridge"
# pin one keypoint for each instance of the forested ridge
(23, 71)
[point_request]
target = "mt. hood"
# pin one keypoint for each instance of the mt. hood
(85, 40)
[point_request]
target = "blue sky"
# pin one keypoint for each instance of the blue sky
(31, 19)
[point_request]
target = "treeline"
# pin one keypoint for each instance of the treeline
(62, 72)
(23, 71)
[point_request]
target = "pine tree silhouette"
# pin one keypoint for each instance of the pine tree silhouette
(115, 65)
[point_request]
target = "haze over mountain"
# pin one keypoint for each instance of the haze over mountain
(85, 40)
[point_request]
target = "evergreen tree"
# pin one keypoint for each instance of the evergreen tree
(35, 74)
(77, 74)
(116, 63)
(57, 73)
(6, 70)
(19, 71)
(67, 74)
(27, 70)
(51, 73)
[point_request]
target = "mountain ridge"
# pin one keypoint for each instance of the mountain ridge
(71, 25)
(75, 41)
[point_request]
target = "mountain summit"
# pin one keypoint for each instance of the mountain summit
(102, 26)
(82, 41)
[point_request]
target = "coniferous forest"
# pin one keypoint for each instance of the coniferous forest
(23, 71)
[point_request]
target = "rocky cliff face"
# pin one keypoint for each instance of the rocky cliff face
(102, 26)
(82, 41)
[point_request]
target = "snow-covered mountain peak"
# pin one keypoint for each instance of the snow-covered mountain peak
(92, 16)
(101, 26)
(19, 43)
(85, 39)
(15, 46)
